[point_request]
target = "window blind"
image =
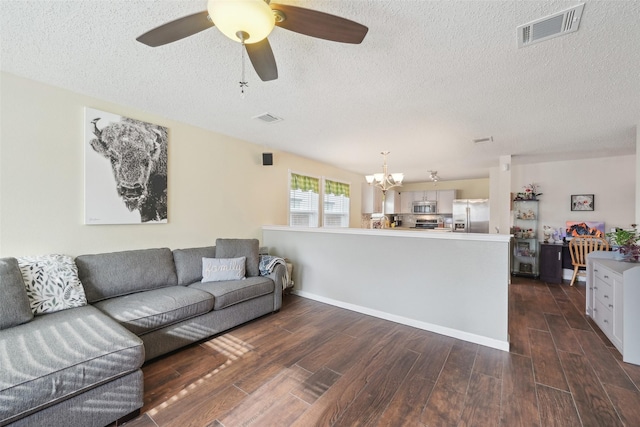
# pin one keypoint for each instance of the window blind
(304, 194)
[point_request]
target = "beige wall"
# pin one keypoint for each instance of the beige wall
(467, 188)
(217, 184)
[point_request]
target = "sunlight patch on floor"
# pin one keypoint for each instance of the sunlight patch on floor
(227, 345)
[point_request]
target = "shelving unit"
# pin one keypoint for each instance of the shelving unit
(525, 231)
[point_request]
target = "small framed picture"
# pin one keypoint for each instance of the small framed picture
(582, 202)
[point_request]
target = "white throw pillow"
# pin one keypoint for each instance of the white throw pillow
(52, 283)
(219, 269)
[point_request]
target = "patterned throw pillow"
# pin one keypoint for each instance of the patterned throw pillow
(52, 283)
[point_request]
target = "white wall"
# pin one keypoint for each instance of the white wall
(500, 199)
(611, 179)
(459, 289)
(637, 221)
(217, 185)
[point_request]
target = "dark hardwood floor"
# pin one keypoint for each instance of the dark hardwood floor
(312, 364)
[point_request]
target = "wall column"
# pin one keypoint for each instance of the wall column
(638, 173)
(500, 196)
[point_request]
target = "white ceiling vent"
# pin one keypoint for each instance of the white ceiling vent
(483, 140)
(268, 118)
(551, 26)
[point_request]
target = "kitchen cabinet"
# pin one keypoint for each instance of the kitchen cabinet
(372, 200)
(525, 232)
(405, 200)
(445, 201)
(371, 197)
(430, 195)
(424, 196)
(551, 263)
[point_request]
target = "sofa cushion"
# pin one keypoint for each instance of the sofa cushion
(52, 283)
(58, 355)
(234, 248)
(189, 263)
(14, 304)
(235, 291)
(219, 269)
(147, 311)
(121, 273)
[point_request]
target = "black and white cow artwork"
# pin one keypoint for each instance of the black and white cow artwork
(138, 154)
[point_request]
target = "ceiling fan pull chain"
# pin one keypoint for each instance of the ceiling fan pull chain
(243, 82)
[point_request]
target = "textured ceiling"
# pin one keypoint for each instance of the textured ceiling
(429, 77)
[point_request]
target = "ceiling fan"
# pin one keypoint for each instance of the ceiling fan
(251, 21)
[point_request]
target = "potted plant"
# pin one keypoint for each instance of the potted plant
(530, 192)
(625, 242)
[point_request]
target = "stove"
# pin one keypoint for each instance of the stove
(427, 224)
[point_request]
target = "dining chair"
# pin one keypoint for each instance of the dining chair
(579, 247)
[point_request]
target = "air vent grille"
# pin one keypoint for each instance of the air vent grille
(268, 118)
(526, 35)
(549, 27)
(483, 140)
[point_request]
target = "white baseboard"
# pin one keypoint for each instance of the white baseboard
(453, 333)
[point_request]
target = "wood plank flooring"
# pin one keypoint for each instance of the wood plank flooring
(312, 364)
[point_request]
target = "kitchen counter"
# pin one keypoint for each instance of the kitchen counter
(400, 231)
(429, 280)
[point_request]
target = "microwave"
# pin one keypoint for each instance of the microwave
(424, 207)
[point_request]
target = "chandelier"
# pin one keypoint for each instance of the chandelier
(385, 181)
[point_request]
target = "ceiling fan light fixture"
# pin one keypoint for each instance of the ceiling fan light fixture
(233, 17)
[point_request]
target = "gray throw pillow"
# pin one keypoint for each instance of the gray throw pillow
(220, 269)
(14, 303)
(234, 248)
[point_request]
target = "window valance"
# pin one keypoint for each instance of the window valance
(305, 183)
(336, 188)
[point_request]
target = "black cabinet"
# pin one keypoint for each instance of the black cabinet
(551, 262)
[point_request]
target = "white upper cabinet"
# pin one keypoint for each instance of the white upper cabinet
(445, 201)
(372, 200)
(444, 198)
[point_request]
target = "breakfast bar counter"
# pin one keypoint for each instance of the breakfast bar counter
(454, 284)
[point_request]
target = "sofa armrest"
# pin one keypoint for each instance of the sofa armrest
(278, 275)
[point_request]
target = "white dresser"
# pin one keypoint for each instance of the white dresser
(613, 301)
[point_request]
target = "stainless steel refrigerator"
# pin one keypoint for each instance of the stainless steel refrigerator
(471, 215)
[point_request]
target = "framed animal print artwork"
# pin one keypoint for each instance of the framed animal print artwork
(125, 170)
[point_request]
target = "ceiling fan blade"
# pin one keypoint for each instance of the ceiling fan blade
(176, 30)
(263, 61)
(320, 25)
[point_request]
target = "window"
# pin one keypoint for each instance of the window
(304, 201)
(336, 204)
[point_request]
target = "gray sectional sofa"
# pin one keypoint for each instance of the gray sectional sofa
(81, 366)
